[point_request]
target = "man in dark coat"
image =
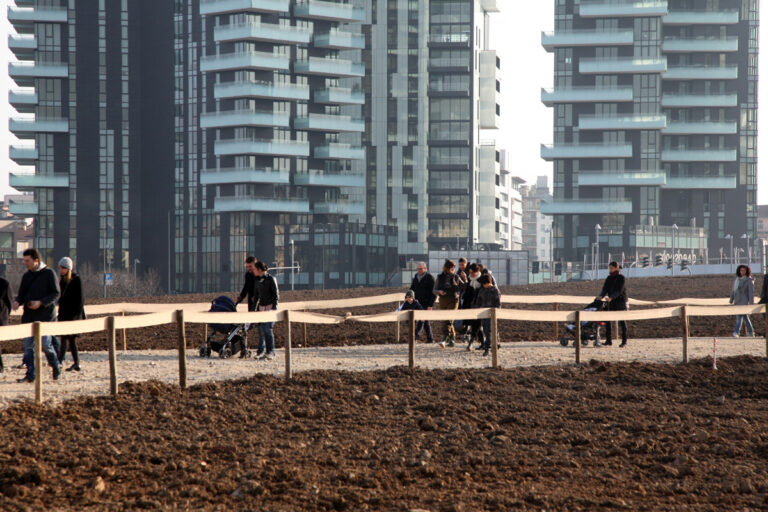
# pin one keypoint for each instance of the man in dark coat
(423, 285)
(5, 310)
(268, 297)
(38, 293)
(615, 291)
(248, 292)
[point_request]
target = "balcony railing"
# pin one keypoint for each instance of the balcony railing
(261, 89)
(587, 95)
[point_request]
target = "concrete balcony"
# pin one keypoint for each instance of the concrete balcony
(340, 40)
(211, 7)
(699, 100)
(621, 66)
(490, 5)
(25, 73)
(260, 204)
(23, 46)
(701, 182)
(23, 155)
(586, 207)
(24, 101)
(621, 178)
(24, 182)
(340, 207)
(268, 32)
(623, 122)
(572, 38)
(231, 176)
(30, 15)
(698, 155)
(261, 147)
(245, 117)
(335, 151)
(28, 128)
(701, 73)
(701, 128)
(587, 95)
(558, 151)
(340, 95)
(701, 18)
(22, 208)
(329, 67)
(248, 89)
(622, 9)
(328, 11)
(329, 123)
(244, 60)
(703, 44)
(321, 178)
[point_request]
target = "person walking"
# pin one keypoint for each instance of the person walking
(488, 296)
(742, 294)
(268, 296)
(410, 303)
(423, 285)
(448, 288)
(468, 302)
(615, 293)
(248, 292)
(5, 311)
(764, 290)
(38, 293)
(71, 307)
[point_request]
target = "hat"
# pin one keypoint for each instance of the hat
(409, 293)
(66, 262)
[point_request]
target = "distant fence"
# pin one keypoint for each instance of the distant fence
(150, 315)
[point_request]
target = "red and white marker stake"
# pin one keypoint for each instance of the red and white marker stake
(714, 358)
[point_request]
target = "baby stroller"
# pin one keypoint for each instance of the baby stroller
(232, 337)
(589, 330)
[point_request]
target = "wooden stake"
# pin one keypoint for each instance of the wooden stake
(684, 316)
(182, 349)
(125, 339)
(112, 348)
(306, 343)
(557, 337)
(494, 339)
(38, 338)
(578, 337)
(288, 370)
(412, 340)
(205, 334)
(766, 329)
(397, 325)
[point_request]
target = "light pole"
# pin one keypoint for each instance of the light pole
(749, 249)
(730, 256)
(551, 268)
(135, 274)
(293, 261)
(597, 249)
(674, 228)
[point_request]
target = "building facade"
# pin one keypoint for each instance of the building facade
(655, 111)
(537, 226)
(431, 86)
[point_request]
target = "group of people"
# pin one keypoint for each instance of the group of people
(261, 291)
(470, 285)
(40, 291)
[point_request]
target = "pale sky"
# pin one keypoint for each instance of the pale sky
(525, 68)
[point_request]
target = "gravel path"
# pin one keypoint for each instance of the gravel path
(163, 364)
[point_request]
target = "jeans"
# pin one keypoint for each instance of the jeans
(486, 322)
(266, 338)
(741, 319)
(62, 349)
(427, 329)
(29, 355)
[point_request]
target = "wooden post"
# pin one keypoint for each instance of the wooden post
(766, 329)
(205, 334)
(38, 338)
(288, 369)
(412, 340)
(684, 315)
(306, 343)
(182, 349)
(397, 325)
(557, 336)
(578, 337)
(125, 339)
(112, 348)
(494, 339)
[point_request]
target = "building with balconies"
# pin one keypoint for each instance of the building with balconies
(655, 112)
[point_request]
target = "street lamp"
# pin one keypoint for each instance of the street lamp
(293, 263)
(674, 228)
(730, 256)
(551, 268)
(596, 261)
(135, 274)
(749, 249)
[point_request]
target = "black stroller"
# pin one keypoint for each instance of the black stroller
(590, 331)
(233, 336)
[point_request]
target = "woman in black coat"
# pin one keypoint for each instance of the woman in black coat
(71, 307)
(615, 291)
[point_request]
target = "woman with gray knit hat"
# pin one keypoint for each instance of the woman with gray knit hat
(71, 307)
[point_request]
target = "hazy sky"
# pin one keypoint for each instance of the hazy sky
(525, 69)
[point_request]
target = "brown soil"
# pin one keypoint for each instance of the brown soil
(596, 437)
(164, 337)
